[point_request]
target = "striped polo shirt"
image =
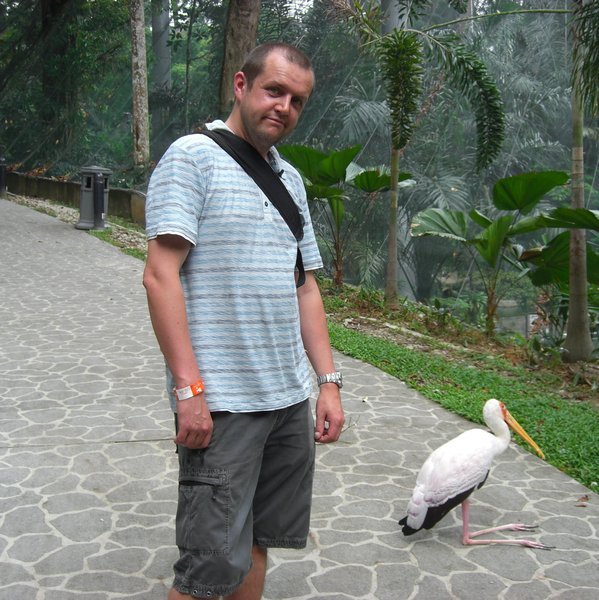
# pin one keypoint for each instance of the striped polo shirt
(238, 278)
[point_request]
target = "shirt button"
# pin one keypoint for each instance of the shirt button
(265, 203)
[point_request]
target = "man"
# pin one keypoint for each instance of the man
(235, 333)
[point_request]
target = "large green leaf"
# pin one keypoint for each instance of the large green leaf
(305, 159)
(443, 223)
(552, 262)
(529, 224)
(559, 218)
(321, 192)
(580, 218)
(337, 209)
(523, 192)
(491, 241)
(318, 167)
(371, 181)
(331, 170)
(479, 218)
(375, 180)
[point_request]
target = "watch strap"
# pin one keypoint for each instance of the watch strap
(335, 378)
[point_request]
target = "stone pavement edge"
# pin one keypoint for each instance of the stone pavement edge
(88, 469)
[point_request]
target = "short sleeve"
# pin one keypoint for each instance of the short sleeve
(176, 192)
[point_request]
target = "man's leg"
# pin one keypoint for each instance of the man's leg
(253, 585)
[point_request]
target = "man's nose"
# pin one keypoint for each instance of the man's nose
(284, 103)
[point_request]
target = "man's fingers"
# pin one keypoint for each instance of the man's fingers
(193, 441)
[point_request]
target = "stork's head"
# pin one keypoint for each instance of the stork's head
(495, 409)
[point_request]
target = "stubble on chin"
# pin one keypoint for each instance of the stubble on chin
(265, 139)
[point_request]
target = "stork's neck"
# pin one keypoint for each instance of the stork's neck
(502, 433)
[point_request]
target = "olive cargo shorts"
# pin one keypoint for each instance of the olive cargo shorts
(252, 485)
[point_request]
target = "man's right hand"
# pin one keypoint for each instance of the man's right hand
(194, 422)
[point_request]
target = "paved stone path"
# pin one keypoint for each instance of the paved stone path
(87, 468)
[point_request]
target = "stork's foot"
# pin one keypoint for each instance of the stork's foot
(525, 543)
(507, 527)
(468, 541)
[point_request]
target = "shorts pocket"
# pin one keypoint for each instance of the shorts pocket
(203, 511)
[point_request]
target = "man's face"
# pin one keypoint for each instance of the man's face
(269, 109)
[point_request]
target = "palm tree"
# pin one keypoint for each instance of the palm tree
(585, 92)
(401, 51)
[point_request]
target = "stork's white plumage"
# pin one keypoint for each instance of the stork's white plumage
(454, 470)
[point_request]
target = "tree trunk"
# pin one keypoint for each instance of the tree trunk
(392, 20)
(188, 58)
(240, 38)
(161, 78)
(578, 344)
(139, 73)
(391, 275)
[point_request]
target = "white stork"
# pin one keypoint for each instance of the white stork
(454, 470)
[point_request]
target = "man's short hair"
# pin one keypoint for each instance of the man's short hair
(254, 63)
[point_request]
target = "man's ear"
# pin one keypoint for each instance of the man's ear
(239, 84)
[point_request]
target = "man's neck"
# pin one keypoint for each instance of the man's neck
(235, 126)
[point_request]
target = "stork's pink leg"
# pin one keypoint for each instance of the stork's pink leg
(468, 541)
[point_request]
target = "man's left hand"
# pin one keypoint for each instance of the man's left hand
(329, 414)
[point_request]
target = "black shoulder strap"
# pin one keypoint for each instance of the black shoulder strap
(267, 180)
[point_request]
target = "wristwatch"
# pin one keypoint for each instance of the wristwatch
(335, 378)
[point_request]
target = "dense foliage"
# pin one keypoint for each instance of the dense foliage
(65, 102)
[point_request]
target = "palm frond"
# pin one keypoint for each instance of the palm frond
(446, 191)
(465, 70)
(364, 17)
(364, 114)
(401, 57)
(586, 53)
(364, 119)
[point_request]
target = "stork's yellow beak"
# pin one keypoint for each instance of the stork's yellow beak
(515, 426)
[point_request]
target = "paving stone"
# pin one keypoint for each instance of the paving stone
(474, 586)
(394, 583)
(88, 472)
(499, 559)
(578, 593)
(290, 580)
(31, 548)
(11, 592)
(581, 575)
(431, 588)
(435, 559)
(352, 580)
(532, 590)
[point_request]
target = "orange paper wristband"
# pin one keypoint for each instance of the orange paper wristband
(195, 389)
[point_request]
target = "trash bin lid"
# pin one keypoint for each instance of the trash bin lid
(95, 169)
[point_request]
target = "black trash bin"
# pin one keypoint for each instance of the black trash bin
(93, 202)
